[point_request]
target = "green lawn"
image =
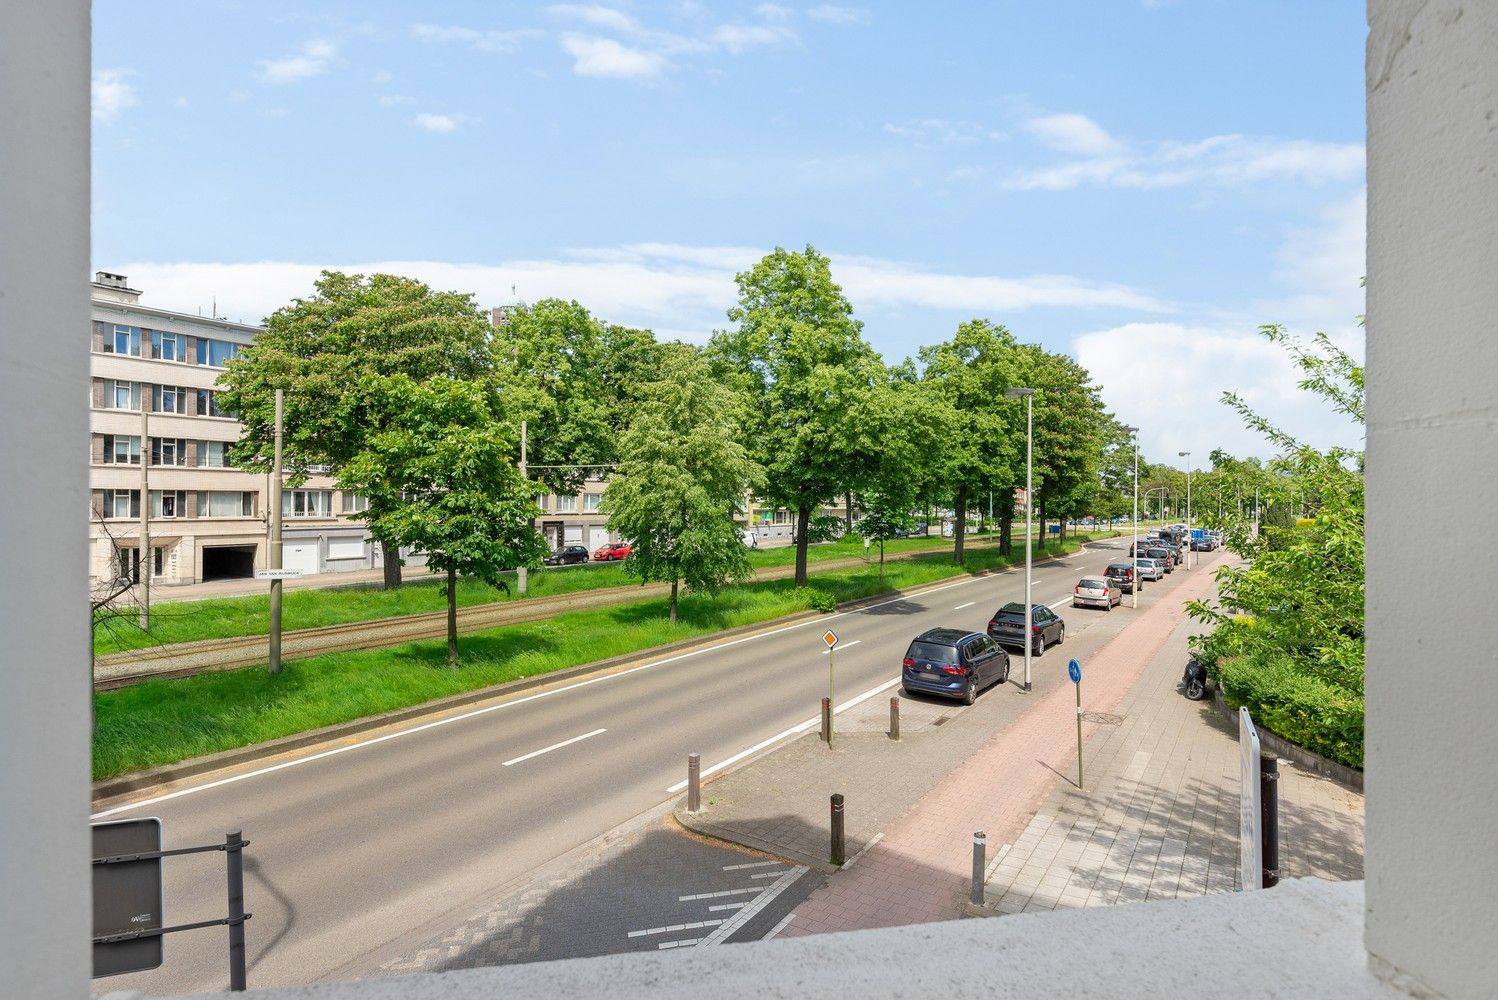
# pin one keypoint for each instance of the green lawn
(160, 722)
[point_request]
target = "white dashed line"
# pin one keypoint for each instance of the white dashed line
(677, 944)
(843, 645)
(774, 874)
(753, 864)
(693, 926)
(554, 746)
(720, 893)
(739, 919)
(726, 906)
(967, 605)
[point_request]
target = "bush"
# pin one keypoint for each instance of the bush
(820, 600)
(1299, 707)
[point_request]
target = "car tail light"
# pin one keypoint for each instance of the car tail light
(1077, 589)
(909, 662)
(954, 671)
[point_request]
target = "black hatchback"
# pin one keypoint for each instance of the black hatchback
(567, 554)
(953, 663)
(1007, 626)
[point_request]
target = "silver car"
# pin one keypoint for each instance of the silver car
(1151, 569)
(1096, 591)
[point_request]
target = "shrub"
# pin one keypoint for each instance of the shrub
(820, 600)
(1300, 707)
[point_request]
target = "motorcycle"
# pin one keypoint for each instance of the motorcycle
(1194, 683)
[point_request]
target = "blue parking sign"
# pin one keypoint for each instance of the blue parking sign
(1074, 671)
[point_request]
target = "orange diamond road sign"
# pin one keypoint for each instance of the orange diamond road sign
(830, 638)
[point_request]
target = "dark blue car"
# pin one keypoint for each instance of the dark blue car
(953, 663)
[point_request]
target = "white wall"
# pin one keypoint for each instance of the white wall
(1432, 762)
(44, 681)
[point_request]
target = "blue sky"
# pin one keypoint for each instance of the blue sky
(1138, 183)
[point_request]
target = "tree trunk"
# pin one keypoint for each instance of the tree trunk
(673, 601)
(1040, 536)
(452, 617)
(881, 560)
(960, 528)
(848, 511)
(391, 560)
(803, 528)
(1006, 531)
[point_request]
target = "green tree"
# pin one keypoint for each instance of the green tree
(444, 482)
(322, 351)
(912, 425)
(680, 478)
(800, 358)
(1070, 432)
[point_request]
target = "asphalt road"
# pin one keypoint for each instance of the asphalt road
(364, 844)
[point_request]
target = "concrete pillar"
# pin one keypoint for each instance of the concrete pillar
(44, 390)
(1432, 441)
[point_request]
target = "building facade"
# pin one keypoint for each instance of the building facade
(207, 519)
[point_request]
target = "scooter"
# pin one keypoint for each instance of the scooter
(1195, 680)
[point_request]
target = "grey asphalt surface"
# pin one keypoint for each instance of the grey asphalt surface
(375, 842)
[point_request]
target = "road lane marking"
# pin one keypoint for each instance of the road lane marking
(739, 919)
(677, 944)
(753, 864)
(464, 716)
(554, 746)
(694, 925)
(1058, 604)
(720, 893)
(768, 874)
(726, 906)
(842, 645)
(785, 922)
(967, 605)
(801, 728)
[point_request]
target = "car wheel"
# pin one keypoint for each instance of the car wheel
(1005, 678)
(1108, 606)
(1037, 648)
(971, 694)
(1061, 635)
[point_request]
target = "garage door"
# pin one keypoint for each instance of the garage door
(597, 536)
(299, 555)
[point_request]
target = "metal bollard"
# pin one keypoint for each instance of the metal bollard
(827, 720)
(894, 718)
(839, 850)
(980, 850)
(1269, 807)
(694, 782)
(234, 851)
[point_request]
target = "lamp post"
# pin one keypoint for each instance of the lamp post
(1029, 395)
(1134, 550)
(1190, 549)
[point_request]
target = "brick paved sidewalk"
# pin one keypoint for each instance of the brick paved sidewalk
(921, 869)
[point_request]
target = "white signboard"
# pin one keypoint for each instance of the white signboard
(1251, 814)
(276, 574)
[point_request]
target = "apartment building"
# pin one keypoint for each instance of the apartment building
(207, 520)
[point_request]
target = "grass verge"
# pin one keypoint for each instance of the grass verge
(161, 722)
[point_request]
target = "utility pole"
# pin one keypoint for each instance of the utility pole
(1134, 549)
(522, 574)
(273, 556)
(144, 563)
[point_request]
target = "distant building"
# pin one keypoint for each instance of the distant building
(207, 519)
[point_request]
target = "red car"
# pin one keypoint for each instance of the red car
(610, 551)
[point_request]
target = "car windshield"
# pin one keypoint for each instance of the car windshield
(932, 653)
(1092, 583)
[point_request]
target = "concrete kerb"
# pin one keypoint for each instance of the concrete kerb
(1349, 777)
(136, 781)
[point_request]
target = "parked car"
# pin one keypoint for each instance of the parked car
(953, 663)
(610, 551)
(1007, 627)
(1122, 576)
(566, 555)
(1096, 590)
(1203, 543)
(1151, 569)
(1168, 557)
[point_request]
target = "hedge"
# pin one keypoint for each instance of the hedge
(1304, 709)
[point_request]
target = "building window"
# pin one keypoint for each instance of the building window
(590, 502)
(168, 503)
(126, 340)
(208, 403)
(307, 503)
(122, 503)
(213, 454)
(782, 517)
(120, 395)
(168, 346)
(168, 399)
(216, 352)
(353, 503)
(566, 504)
(168, 451)
(128, 562)
(226, 503)
(121, 449)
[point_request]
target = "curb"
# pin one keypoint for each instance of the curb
(695, 824)
(135, 781)
(1279, 746)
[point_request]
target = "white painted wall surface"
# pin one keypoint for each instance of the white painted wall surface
(1432, 683)
(44, 682)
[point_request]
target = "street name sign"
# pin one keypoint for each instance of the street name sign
(277, 574)
(830, 638)
(1074, 671)
(127, 896)
(1250, 810)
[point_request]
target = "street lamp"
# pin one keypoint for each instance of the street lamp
(1134, 583)
(1190, 549)
(1029, 395)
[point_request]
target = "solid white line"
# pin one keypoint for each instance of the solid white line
(753, 864)
(677, 944)
(775, 874)
(554, 746)
(967, 605)
(720, 892)
(802, 727)
(843, 645)
(785, 922)
(864, 850)
(694, 925)
(449, 720)
(726, 906)
(1064, 600)
(739, 919)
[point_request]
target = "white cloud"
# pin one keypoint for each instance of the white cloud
(607, 57)
(832, 14)
(313, 59)
(110, 94)
(942, 130)
(737, 38)
(1072, 133)
(482, 40)
(774, 12)
(597, 16)
(442, 123)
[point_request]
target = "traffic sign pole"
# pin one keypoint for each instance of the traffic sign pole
(1074, 671)
(830, 638)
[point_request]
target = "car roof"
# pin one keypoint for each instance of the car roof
(1017, 608)
(945, 636)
